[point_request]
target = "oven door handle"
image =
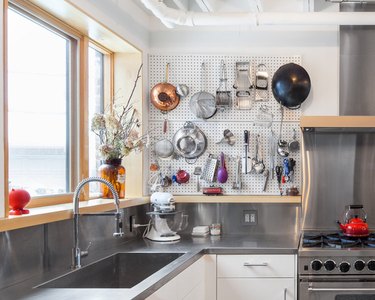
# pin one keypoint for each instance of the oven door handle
(311, 289)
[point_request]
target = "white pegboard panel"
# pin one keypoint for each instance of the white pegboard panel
(186, 69)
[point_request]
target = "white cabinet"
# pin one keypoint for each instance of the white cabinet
(197, 282)
(256, 277)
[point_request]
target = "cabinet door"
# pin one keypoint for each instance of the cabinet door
(197, 282)
(255, 288)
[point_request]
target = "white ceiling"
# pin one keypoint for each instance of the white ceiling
(246, 5)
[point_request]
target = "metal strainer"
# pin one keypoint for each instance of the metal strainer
(164, 148)
(203, 104)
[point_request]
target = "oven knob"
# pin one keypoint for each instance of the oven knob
(329, 265)
(316, 265)
(344, 267)
(359, 265)
(371, 265)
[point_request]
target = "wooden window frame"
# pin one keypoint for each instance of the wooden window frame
(78, 109)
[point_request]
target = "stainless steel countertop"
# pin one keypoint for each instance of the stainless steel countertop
(193, 247)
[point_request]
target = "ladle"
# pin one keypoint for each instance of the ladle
(282, 148)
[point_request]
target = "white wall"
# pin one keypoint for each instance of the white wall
(318, 48)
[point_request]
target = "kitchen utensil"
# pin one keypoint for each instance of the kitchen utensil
(291, 85)
(261, 83)
(266, 175)
(209, 169)
(355, 221)
(282, 148)
(246, 147)
(279, 173)
(293, 146)
(272, 140)
(182, 90)
(164, 148)
(264, 117)
(222, 173)
(203, 104)
(243, 85)
(198, 173)
(228, 138)
(190, 142)
(212, 190)
(223, 95)
(286, 170)
(163, 95)
(237, 184)
(292, 191)
(182, 176)
(258, 165)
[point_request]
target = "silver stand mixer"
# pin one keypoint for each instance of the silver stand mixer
(165, 220)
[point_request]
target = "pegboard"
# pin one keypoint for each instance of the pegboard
(186, 69)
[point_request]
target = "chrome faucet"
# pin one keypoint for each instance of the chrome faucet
(76, 251)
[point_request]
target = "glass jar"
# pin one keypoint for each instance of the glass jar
(115, 173)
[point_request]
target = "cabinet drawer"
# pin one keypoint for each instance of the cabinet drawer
(255, 289)
(255, 266)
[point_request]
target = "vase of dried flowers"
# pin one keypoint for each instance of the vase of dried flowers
(118, 132)
(115, 173)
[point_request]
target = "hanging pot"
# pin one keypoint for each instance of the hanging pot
(190, 142)
(291, 85)
(164, 96)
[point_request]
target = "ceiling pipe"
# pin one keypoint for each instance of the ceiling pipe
(171, 16)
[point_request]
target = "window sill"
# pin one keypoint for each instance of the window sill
(53, 213)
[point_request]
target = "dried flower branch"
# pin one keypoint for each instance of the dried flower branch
(118, 129)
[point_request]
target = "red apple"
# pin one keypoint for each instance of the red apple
(18, 199)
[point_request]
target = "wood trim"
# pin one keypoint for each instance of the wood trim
(5, 107)
(50, 200)
(82, 125)
(337, 121)
(47, 17)
(61, 212)
(237, 199)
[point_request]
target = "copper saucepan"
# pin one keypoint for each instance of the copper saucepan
(164, 96)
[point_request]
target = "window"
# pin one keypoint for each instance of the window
(39, 101)
(96, 105)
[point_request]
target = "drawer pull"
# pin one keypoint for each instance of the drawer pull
(247, 264)
(285, 291)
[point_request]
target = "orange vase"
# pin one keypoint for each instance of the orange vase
(115, 173)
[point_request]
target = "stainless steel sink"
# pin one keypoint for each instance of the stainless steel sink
(121, 270)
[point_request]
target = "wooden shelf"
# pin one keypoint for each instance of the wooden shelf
(237, 199)
(53, 213)
(337, 121)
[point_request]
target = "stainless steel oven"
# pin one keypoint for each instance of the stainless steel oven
(335, 267)
(337, 288)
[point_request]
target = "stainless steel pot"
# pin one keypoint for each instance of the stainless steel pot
(189, 141)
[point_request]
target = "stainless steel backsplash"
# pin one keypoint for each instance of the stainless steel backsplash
(30, 251)
(338, 170)
(357, 65)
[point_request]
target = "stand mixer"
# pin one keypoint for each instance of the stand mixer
(165, 220)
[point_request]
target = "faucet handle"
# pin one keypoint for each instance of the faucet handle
(119, 232)
(86, 252)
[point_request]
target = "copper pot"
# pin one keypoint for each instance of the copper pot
(164, 96)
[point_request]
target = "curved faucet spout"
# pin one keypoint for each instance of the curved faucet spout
(76, 252)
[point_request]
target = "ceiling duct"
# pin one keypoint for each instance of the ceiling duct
(170, 17)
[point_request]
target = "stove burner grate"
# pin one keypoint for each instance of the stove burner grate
(336, 240)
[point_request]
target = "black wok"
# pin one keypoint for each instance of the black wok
(291, 85)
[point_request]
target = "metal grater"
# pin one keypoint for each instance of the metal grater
(209, 169)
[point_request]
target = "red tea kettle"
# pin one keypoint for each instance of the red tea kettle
(355, 221)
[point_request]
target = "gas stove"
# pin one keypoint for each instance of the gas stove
(333, 253)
